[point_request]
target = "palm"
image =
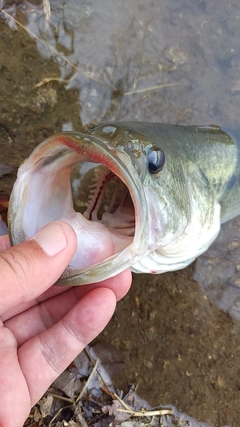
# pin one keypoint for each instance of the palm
(39, 337)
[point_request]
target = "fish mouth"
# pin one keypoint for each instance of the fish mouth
(83, 180)
(100, 196)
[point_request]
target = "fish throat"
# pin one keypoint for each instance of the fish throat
(101, 196)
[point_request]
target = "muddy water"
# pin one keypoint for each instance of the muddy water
(171, 61)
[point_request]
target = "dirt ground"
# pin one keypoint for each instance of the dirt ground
(179, 336)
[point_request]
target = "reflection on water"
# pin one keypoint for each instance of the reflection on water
(173, 61)
(168, 61)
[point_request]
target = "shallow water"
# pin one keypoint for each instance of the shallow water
(171, 61)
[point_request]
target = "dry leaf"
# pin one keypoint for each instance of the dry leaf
(45, 405)
(69, 382)
(37, 415)
(109, 356)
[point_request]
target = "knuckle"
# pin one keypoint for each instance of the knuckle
(49, 355)
(74, 333)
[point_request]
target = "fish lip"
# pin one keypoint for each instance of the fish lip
(91, 145)
(101, 151)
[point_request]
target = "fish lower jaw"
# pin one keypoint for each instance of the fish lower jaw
(105, 269)
(95, 242)
(151, 266)
(174, 258)
(156, 263)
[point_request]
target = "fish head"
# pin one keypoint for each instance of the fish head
(183, 214)
(129, 200)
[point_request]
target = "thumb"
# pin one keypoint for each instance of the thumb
(30, 268)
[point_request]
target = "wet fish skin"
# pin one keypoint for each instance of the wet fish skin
(215, 152)
(230, 199)
(178, 211)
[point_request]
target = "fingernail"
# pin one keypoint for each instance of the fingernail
(51, 239)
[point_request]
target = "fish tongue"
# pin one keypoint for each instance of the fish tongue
(94, 242)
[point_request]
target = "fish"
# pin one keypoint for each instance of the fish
(148, 196)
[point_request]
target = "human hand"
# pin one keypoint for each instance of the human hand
(43, 328)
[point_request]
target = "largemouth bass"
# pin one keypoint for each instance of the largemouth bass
(156, 195)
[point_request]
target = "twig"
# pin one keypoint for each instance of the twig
(142, 412)
(57, 413)
(146, 89)
(87, 382)
(99, 373)
(47, 80)
(66, 399)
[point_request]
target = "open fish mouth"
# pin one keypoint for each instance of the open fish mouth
(101, 196)
(83, 180)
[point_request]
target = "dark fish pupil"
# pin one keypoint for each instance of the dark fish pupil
(156, 160)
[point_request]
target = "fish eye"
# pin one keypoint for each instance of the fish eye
(156, 160)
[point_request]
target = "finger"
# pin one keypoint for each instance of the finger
(20, 308)
(29, 269)
(43, 316)
(13, 387)
(44, 357)
(120, 285)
